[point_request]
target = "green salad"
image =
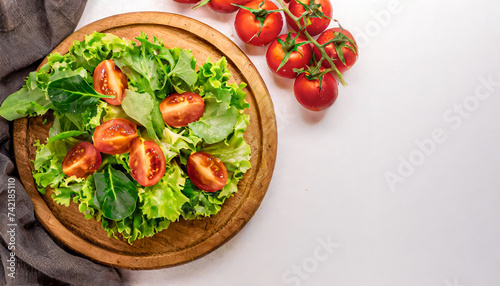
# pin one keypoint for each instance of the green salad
(140, 137)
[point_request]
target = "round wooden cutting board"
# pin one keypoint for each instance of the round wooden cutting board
(184, 240)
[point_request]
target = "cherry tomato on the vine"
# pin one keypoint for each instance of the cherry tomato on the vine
(206, 171)
(115, 136)
(314, 94)
(147, 162)
(81, 160)
(299, 56)
(318, 24)
(179, 110)
(349, 51)
(110, 80)
(251, 30)
(226, 6)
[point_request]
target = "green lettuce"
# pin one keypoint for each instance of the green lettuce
(125, 209)
(217, 122)
(164, 199)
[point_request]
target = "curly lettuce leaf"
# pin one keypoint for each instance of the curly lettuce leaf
(135, 227)
(178, 142)
(48, 164)
(96, 48)
(164, 199)
(200, 204)
(211, 79)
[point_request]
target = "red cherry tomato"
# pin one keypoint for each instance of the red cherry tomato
(110, 80)
(179, 110)
(206, 171)
(187, 1)
(298, 59)
(81, 160)
(248, 27)
(350, 56)
(317, 25)
(226, 6)
(309, 94)
(115, 136)
(147, 162)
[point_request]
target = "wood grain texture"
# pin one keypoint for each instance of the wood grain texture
(183, 241)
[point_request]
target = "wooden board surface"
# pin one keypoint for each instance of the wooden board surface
(183, 241)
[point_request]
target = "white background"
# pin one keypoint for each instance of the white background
(440, 224)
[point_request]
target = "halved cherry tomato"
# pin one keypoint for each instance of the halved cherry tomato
(179, 110)
(110, 80)
(247, 26)
(226, 6)
(298, 59)
(350, 56)
(316, 94)
(115, 136)
(81, 160)
(317, 25)
(147, 162)
(206, 171)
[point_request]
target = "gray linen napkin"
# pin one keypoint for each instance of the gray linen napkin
(29, 30)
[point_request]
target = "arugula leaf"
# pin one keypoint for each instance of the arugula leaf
(61, 124)
(73, 94)
(183, 70)
(116, 194)
(141, 67)
(25, 102)
(66, 134)
(217, 122)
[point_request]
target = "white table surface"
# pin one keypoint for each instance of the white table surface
(421, 69)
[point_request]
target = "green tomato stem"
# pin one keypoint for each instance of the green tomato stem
(324, 55)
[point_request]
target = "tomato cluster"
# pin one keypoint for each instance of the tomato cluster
(315, 64)
(119, 136)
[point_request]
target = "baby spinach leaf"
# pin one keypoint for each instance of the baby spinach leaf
(116, 194)
(73, 94)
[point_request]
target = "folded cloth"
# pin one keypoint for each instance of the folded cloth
(29, 30)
